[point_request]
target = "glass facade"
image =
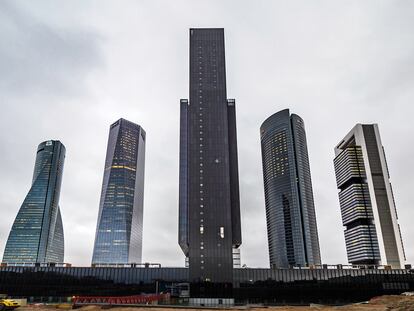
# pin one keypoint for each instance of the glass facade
(37, 232)
(272, 286)
(209, 220)
(119, 229)
(236, 257)
(372, 233)
(290, 212)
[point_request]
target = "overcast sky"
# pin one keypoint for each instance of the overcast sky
(68, 69)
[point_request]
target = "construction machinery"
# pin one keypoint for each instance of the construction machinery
(8, 304)
(136, 300)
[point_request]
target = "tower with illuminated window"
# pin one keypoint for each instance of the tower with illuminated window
(118, 236)
(209, 208)
(290, 212)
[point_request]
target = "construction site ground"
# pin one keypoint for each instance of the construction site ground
(383, 303)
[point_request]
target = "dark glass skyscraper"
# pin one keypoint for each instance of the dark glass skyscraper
(37, 232)
(372, 233)
(209, 207)
(119, 230)
(290, 213)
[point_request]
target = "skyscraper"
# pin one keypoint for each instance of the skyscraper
(209, 207)
(290, 212)
(372, 233)
(118, 236)
(37, 232)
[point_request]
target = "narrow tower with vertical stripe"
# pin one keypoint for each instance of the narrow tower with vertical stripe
(209, 208)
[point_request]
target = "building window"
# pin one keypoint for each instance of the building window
(222, 232)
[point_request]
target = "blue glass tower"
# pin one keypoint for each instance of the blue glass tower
(118, 236)
(37, 232)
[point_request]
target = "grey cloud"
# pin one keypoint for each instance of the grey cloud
(36, 57)
(44, 69)
(75, 67)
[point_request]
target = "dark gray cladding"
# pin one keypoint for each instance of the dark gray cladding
(234, 173)
(296, 286)
(37, 232)
(290, 212)
(209, 218)
(183, 191)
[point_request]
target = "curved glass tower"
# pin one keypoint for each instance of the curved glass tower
(119, 230)
(37, 232)
(290, 211)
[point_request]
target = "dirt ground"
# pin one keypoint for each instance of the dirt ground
(383, 303)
